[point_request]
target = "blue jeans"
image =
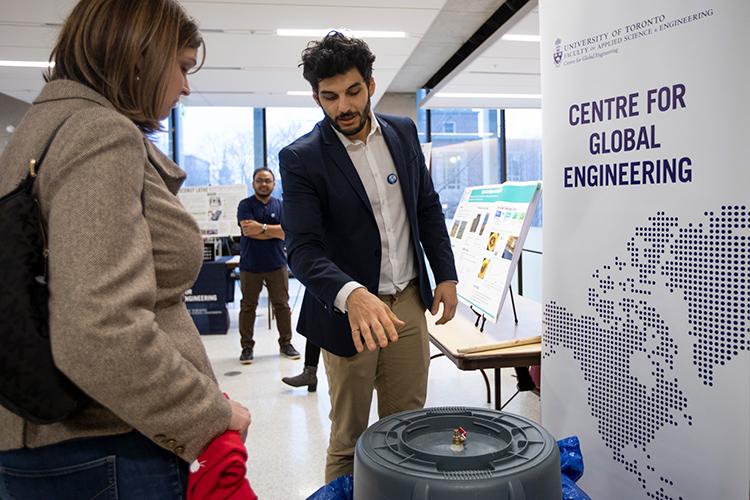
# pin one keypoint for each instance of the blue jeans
(122, 467)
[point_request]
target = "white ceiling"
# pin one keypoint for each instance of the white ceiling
(247, 64)
(269, 63)
(497, 67)
(452, 27)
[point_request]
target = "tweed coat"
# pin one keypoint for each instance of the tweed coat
(122, 252)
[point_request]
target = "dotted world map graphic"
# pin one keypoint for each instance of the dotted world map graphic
(705, 263)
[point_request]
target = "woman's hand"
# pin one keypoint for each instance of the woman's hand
(240, 420)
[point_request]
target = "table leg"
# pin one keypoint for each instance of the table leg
(498, 394)
(487, 385)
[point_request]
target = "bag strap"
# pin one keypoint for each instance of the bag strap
(36, 164)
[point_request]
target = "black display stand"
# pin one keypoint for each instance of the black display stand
(208, 297)
(483, 318)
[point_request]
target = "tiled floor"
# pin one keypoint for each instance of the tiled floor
(289, 434)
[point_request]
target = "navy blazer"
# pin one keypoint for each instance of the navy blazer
(331, 234)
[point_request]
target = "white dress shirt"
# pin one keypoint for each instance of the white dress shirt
(375, 167)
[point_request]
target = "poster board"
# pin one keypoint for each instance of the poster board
(487, 234)
(646, 244)
(214, 207)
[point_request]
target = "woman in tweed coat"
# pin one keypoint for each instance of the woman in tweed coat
(122, 251)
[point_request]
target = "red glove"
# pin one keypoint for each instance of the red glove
(219, 472)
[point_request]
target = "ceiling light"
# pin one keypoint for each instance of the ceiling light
(467, 95)
(306, 93)
(27, 64)
(237, 32)
(521, 38)
(320, 33)
(378, 34)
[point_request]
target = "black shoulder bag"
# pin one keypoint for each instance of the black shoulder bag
(30, 384)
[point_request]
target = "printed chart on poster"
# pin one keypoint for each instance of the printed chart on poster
(487, 235)
(214, 207)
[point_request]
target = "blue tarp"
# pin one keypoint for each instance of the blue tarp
(341, 488)
(571, 467)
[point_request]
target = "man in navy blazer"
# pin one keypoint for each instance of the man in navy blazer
(360, 213)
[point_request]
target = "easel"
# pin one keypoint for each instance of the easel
(483, 318)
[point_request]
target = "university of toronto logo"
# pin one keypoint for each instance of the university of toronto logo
(557, 55)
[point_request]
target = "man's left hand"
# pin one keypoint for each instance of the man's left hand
(445, 293)
(251, 227)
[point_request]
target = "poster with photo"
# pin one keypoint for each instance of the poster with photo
(214, 207)
(487, 233)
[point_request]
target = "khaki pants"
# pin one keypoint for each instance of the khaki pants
(251, 285)
(398, 373)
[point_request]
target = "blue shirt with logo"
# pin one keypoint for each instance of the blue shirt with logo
(261, 256)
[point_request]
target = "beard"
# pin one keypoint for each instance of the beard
(363, 117)
(265, 193)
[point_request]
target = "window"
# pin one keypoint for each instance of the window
(466, 153)
(448, 167)
(284, 126)
(163, 139)
(523, 139)
(217, 145)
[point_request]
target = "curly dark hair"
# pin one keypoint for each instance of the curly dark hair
(335, 54)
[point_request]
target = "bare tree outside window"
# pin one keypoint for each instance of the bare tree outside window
(284, 126)
(217, 145)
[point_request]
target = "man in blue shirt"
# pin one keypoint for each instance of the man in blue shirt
(262, 260)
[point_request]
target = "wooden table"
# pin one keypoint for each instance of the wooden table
(461, 333)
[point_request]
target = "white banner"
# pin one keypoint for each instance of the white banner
(214, 207)
(647, 244)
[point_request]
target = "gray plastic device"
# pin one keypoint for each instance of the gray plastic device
(414, 455)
